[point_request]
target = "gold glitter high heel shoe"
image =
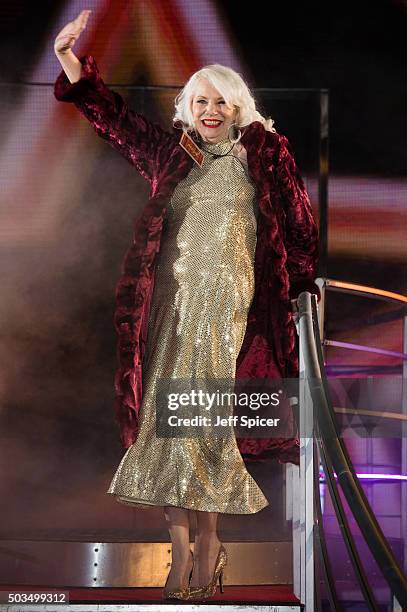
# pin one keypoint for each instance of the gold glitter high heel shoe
(178, 593)
(210, 589)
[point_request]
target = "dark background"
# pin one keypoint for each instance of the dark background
(355, 49)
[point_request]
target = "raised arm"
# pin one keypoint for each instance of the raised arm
(301, 239)
(143, 143)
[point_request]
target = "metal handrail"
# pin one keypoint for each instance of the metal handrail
(321, 542)
(365, 290)
(364, 348)
(338, 454)
(346, 531)
(399, 416)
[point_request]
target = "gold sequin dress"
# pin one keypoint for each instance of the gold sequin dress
(203, 290)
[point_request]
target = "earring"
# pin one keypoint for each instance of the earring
(239, 134)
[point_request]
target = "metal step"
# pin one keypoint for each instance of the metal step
(141, 564)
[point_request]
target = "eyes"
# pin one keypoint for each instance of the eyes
(204, 101)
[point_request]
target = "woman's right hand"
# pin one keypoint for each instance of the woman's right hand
(70, 33)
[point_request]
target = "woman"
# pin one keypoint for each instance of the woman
(205, 290)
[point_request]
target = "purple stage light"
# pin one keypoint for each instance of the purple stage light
(396, 477)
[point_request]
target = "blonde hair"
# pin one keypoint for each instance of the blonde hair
(231, 86)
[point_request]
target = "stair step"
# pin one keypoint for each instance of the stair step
(139, 564)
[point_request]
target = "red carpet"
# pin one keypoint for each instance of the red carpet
(273, 594)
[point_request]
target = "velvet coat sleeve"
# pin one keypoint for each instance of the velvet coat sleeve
(143, 143)
(299, 226)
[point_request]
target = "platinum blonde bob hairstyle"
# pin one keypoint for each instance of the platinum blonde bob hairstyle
(231, 86)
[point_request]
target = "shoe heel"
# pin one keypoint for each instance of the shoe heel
(221, 581)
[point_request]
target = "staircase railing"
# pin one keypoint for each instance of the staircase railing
(319, 437)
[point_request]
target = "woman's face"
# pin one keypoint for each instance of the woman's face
(207, 103)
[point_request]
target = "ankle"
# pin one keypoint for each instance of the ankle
(207, 539)
(180, 557)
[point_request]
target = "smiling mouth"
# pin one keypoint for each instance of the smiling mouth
(211, 123)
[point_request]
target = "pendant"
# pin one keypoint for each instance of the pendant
(192, 149)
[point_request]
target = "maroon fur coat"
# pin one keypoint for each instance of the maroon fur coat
(285, 258)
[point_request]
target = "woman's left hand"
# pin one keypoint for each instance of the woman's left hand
(294, 310)
(294, 306)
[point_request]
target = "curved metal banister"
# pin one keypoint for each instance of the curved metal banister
(397, 416)
(346, 532)
(338, 455)
(364, 348)
(364, 290)
(321, 542)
